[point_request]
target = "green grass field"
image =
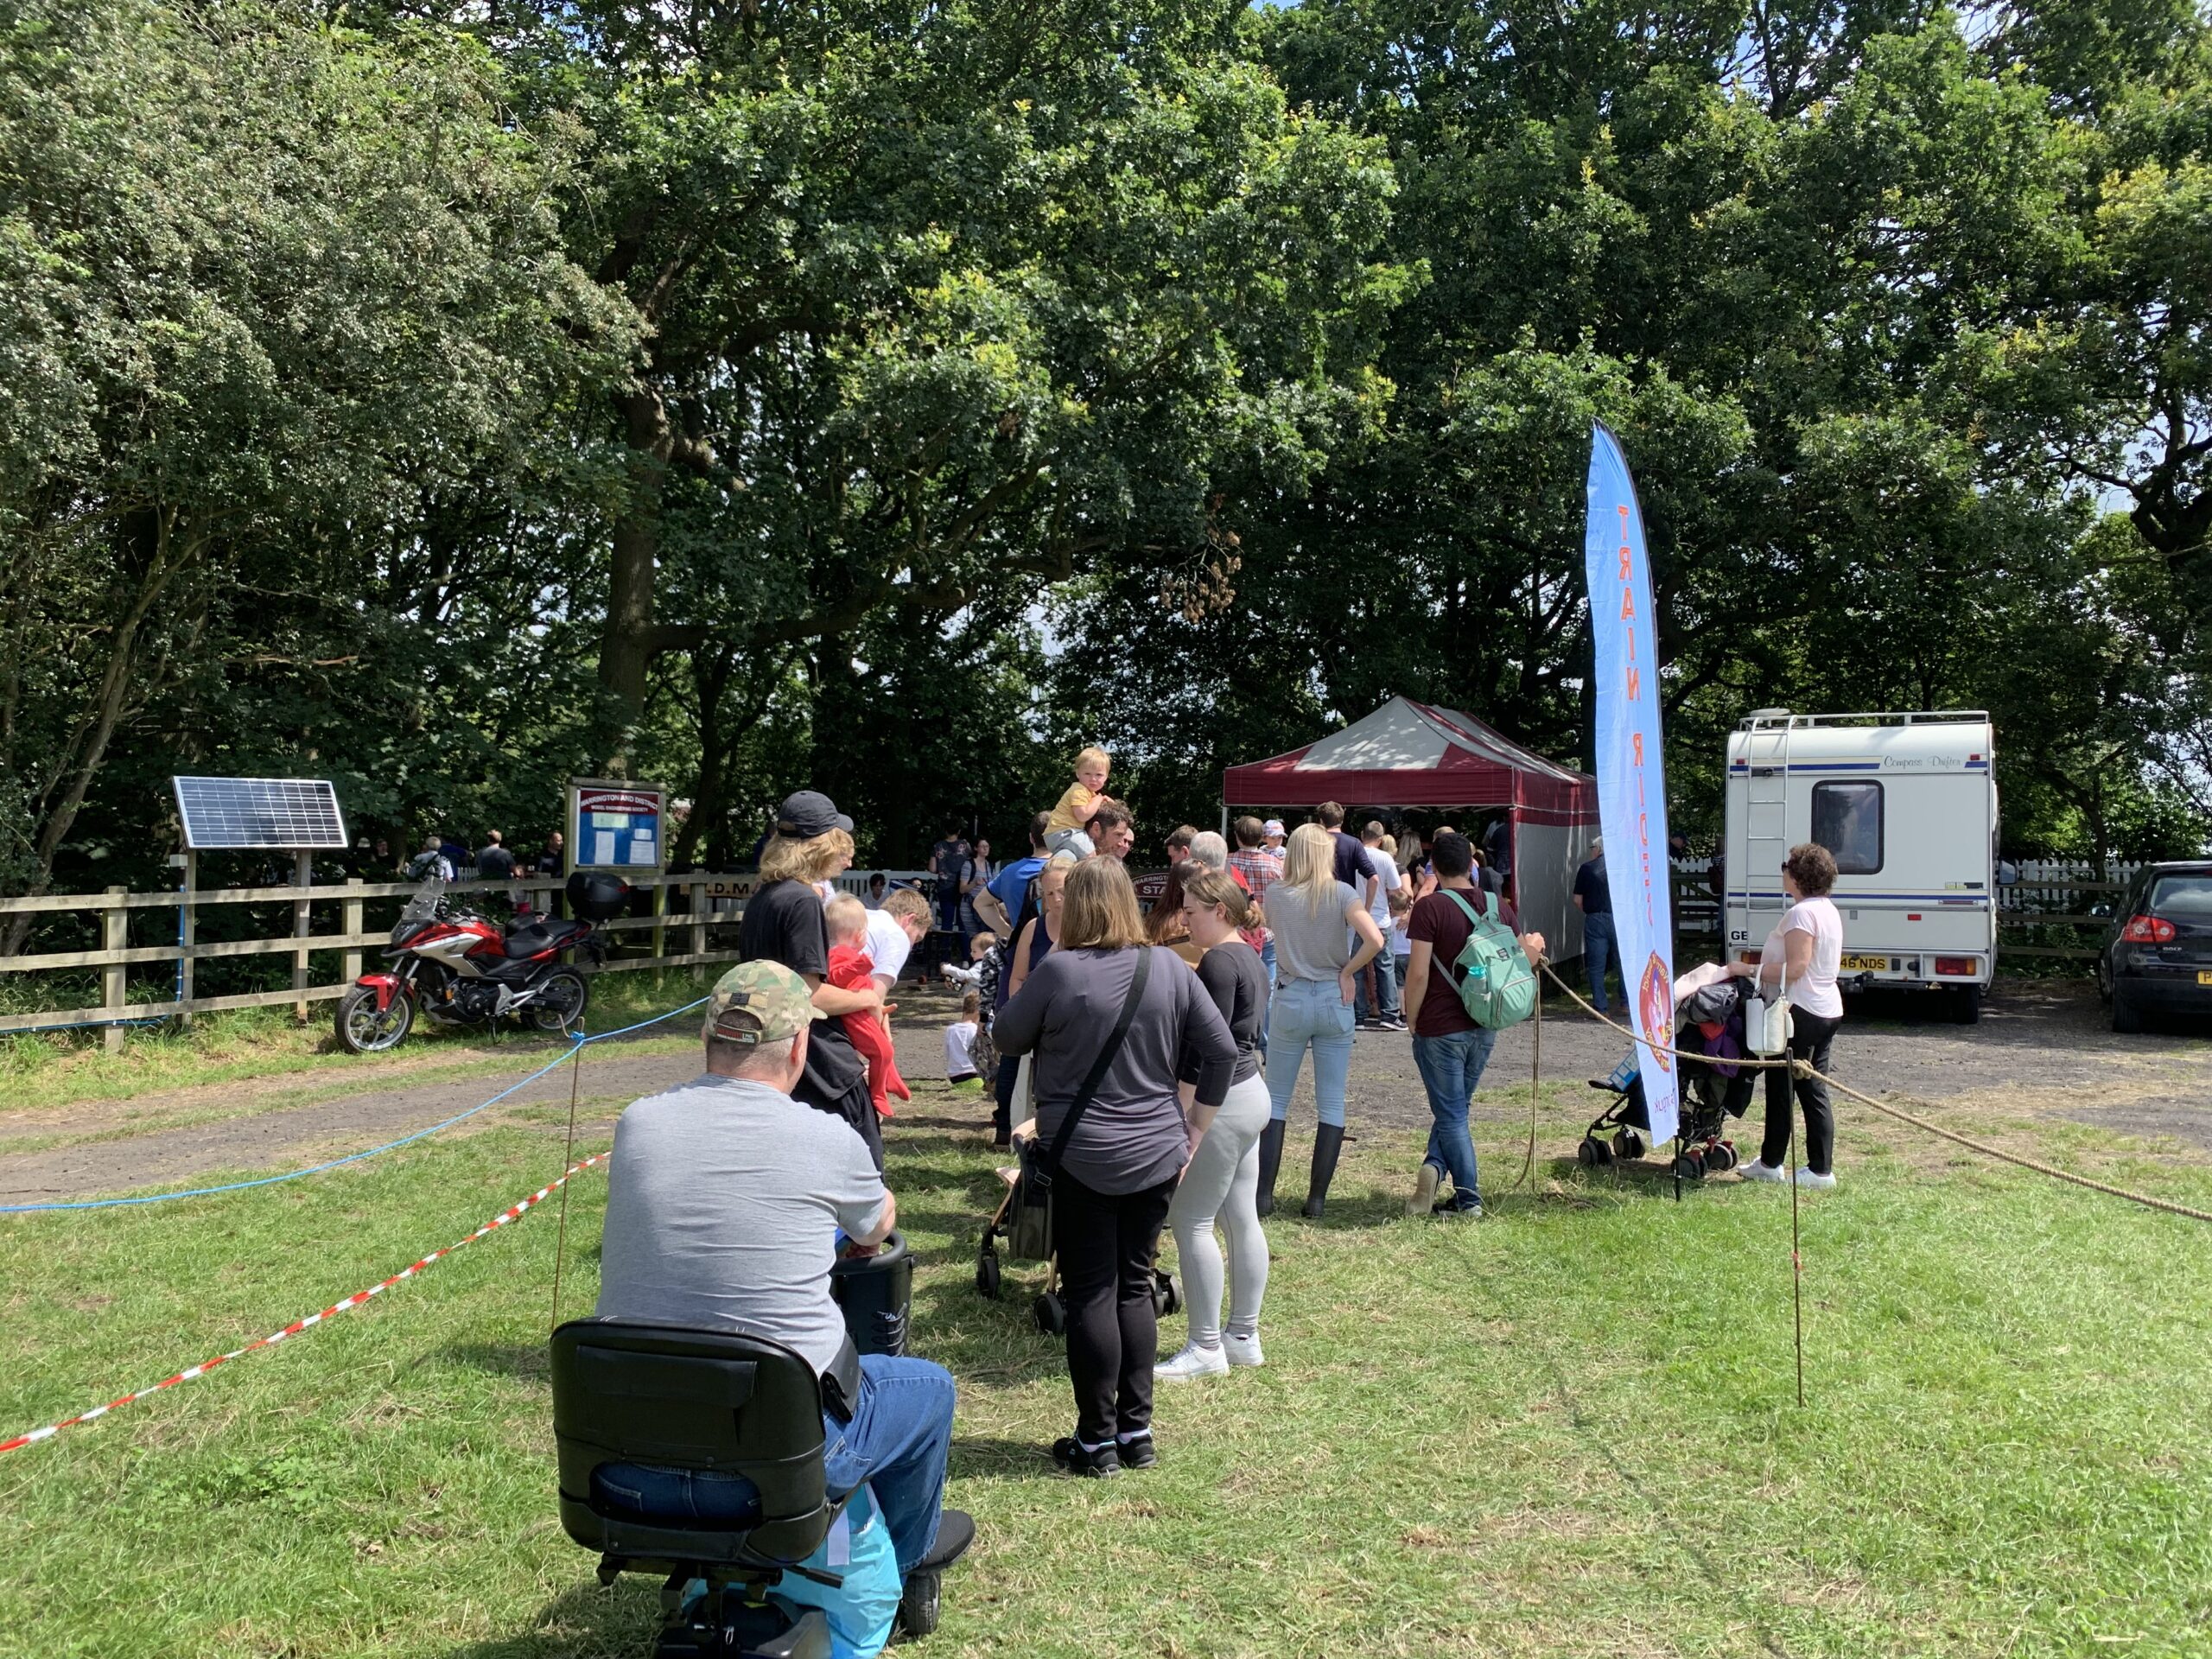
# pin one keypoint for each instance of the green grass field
(1571, 1429)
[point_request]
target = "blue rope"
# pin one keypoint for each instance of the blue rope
(577, 1044)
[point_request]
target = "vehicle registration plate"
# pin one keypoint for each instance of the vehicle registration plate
(2203, 978)
(1864, 965)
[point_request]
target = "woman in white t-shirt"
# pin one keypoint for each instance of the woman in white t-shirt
(1803, 955)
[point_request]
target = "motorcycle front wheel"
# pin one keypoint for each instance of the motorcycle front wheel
(363, 1030)
(559, 1004)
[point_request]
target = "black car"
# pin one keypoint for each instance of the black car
(2158, 957)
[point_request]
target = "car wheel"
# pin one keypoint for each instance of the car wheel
(2127, 1018)
(1968, 1005)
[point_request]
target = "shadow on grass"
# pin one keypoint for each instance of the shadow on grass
(587, 1622)
(992, 1458)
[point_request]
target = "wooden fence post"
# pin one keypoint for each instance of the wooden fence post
(352, 925)
(115, 936)
(188, 926)
(302, 876)
(695, 895)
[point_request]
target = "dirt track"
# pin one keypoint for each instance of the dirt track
(2042, 1050)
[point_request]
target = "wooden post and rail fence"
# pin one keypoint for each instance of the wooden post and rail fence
(709, 902)
(2045, 897)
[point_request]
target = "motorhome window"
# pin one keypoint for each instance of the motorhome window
(1847, 821)
(2182, 897)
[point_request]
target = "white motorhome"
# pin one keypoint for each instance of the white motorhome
(1908, 804)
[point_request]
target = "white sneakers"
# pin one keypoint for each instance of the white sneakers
(1192, 1362)
(1756, 1171)
(1210, 1362)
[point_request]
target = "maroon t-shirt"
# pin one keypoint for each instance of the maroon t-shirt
(1445, 927)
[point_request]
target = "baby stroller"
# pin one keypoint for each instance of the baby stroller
(1715, 1087)
(1033, 1242)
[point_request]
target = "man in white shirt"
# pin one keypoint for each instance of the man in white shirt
(893, 931)
(1383, 879)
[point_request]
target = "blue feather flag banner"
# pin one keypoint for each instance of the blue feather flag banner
(1632, 768)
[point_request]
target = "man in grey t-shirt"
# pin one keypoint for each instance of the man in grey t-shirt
(725, 1197)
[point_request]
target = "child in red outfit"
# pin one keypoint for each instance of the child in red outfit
(852, 968)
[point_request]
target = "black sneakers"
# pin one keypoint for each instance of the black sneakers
(1136, 1451)
(1075, 1458)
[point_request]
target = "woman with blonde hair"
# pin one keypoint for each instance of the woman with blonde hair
(1323, 937)
(1223, 1181)
(783, 923)
(1115, 1024)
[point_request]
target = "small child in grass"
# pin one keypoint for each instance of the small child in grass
(852, 968)
(971, 976)
(959, 1047)
(1400, 943)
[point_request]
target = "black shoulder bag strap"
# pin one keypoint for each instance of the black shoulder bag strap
(1042, 1170)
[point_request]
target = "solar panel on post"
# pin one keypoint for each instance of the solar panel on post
(278, 814)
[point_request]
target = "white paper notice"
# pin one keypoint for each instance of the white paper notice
(641, 847)
(602, 846)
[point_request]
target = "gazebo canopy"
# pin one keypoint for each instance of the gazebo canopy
(1408, 754)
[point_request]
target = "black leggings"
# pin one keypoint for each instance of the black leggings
(1106, 1243)
(1002, 1090)
(1809, 1037)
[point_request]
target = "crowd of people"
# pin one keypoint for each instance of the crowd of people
(1152, 1058)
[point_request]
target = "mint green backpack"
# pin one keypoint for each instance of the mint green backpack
(1497, 987)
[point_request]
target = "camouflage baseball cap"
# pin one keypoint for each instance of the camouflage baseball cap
(760, 1002)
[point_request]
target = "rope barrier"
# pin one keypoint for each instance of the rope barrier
(578, 1043)
(1804, 1069)
(513, 1213)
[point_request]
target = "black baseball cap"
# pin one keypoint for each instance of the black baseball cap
(809, 813)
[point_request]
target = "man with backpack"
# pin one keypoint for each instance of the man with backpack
(1468, 977)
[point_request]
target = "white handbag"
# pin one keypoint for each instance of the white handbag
(1766, 1025)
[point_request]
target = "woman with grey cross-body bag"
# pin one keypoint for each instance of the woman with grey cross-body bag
(1114, 1024)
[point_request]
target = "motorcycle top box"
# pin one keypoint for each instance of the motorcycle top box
(598, 898)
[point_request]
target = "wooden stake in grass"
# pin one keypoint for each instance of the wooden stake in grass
(568, 1157)
(1796, 1272)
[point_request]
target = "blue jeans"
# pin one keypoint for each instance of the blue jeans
(1598, 950)
(1309, 1012)
(898, 1441)
(1451, 1066)
(1385, 970)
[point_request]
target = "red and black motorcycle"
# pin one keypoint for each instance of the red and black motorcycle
(461, 969)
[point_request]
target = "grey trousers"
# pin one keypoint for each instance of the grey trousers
(1223, 1184)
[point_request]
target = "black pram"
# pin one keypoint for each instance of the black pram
(1709, 1027)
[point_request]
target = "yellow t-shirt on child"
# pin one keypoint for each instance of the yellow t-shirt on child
(1074, 810)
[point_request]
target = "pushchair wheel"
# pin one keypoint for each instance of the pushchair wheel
(1051, 1314)
(1689, 1165)
(1627, 1144)
(1167, 1293)
(987, 1274)
(1594, 1152)
(1722, 1157)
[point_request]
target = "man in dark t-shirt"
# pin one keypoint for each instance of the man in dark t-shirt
(1352, 866)
(783, 923)
(1594, 899)
(1450, 1050)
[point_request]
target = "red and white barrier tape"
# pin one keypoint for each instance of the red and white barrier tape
(511, 1213)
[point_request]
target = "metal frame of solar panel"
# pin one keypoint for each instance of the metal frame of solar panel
(239, 814)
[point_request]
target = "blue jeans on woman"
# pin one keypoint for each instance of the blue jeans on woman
(1450, 1067)
(1303, 1012)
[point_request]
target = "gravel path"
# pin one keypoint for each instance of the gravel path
(2042, 1049)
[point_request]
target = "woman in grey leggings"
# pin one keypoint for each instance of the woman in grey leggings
(1221, 1180)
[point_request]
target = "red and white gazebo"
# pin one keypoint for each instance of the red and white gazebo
(1408, 754)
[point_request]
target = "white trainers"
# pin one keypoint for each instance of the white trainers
(1242, 1351)
(1756, 1171)
(1192, 1362)
(1821, 1183)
